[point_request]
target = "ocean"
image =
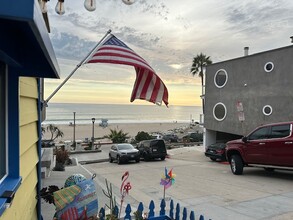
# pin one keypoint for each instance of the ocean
(62, 113)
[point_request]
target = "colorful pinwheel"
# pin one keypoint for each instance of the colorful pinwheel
(167, 180)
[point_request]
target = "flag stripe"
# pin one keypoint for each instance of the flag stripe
(119, 49)
(111, 52)
(118, 60)
(141, 78)
(145, 86)
(148, 86)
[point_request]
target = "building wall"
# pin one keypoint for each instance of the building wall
(24, 204)
(251, 85)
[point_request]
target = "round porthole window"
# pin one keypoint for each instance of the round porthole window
(221, 78)
(219, 111)
(269, 66)
(267, 110)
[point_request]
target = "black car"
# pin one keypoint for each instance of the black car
(170, 137)
(123, 153)
(193, 137)
(216, 151)
(151, 149)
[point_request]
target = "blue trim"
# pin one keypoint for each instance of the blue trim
(13, 180)
(10, 184)
(39, 168)
(13, 123)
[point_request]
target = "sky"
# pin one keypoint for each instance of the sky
(167, 34)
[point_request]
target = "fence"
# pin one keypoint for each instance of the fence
(150, 213)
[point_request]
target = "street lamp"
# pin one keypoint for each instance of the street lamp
(74, 143)
(93, 134)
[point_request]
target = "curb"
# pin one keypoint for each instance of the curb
(93, 161)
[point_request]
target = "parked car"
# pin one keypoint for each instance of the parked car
(123, 153)
(268, 146)
(193, 137)
(151, 149)
(216, 151)
(170, 138)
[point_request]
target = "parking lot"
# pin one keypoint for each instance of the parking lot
(206, 187)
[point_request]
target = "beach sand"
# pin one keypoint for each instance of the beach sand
(85, 130)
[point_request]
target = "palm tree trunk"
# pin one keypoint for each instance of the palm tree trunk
(202, 92)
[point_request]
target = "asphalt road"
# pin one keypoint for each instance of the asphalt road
(206, 187)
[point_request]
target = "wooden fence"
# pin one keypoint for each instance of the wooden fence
(174, 212)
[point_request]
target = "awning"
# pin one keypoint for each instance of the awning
(24, 40)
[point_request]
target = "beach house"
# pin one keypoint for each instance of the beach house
(26, 57)
(243, 93)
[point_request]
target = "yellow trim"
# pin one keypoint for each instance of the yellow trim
(24, 204)
(28, 137)
(29, 112)
(28, 162)
(28, 87)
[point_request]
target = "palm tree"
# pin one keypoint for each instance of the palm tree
(117, 136)
(198, 65)
(55, 131)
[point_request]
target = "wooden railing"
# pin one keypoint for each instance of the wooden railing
(140, 213)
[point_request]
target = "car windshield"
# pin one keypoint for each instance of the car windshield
(125, 147)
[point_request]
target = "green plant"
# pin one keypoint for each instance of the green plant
(54, 130)
(112, 202)
(198, 65)
(137, 215)
(117, 136)
(141, 136)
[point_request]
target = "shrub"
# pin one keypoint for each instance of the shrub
(141, 136)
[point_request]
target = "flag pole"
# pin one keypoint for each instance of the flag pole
(45, 103)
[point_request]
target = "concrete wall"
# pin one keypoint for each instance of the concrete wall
(251, 85)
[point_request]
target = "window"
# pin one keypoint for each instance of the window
(219, 111)
(261, 133)
(9, 134)
(3, 151)
(221, 78)
(269, 66)
(280, 131)
(267, 110)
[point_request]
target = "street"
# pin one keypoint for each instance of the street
(206, 187)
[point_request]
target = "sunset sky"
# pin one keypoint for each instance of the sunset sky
(167, 34)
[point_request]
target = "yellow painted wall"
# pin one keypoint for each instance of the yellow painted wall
(24, 204)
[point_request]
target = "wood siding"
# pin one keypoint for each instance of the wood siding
(24, 204)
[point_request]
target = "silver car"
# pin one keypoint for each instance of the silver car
(123, 153)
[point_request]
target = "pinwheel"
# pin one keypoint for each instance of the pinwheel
(167, 180)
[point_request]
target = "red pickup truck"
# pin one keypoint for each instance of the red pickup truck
(269, 146)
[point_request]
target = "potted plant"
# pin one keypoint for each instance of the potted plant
(62, 157)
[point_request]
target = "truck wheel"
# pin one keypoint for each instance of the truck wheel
(146, 157)
(236, 165)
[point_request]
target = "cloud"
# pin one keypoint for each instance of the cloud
(258, 18)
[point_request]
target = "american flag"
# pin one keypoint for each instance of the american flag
(148, 85)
